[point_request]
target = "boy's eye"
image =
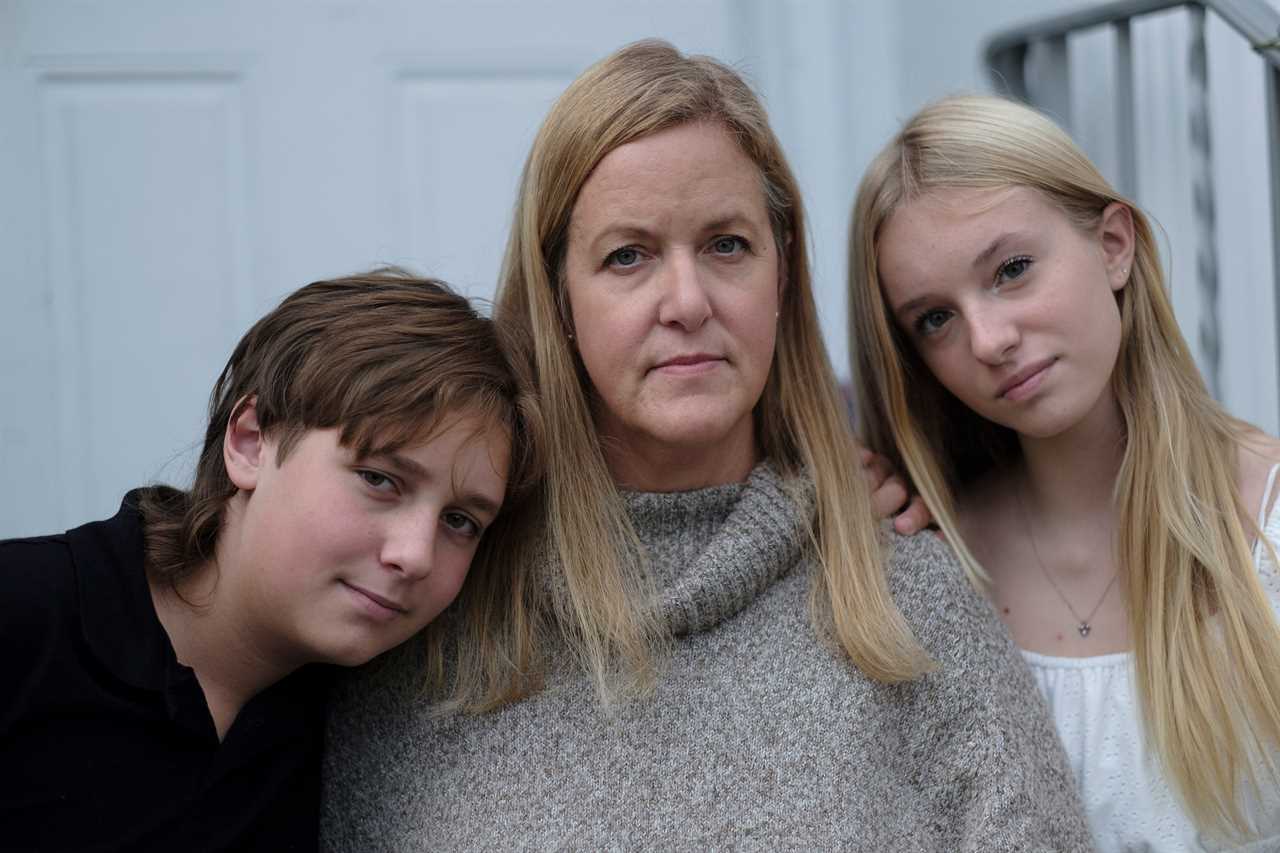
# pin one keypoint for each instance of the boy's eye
(932, 321)
(376, 480)
(1013, 269)
(460, 522)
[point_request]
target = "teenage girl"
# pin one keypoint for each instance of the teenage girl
(1019, 356)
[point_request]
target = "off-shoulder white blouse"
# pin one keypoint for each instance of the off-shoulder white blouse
(1129, 803)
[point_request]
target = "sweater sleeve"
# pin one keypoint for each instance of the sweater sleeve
(996, 763)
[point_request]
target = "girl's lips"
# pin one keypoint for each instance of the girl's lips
(1025, 382)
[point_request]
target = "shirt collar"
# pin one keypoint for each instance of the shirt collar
(117, 615)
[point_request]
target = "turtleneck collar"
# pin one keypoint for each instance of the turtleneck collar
(713, 551)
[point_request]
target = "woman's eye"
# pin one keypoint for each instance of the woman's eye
(627, 256)
(728, 245)
(460, 522)
(930, 322)
(377, 480)
(1012, 269)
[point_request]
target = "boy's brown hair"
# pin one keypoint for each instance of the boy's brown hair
(382, 356)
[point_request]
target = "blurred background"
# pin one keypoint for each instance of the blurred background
(170, 168)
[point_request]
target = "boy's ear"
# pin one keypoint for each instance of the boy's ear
(243, 449)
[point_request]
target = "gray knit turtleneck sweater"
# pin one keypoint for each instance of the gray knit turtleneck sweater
(757, 737)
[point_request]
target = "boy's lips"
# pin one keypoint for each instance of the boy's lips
(381, 601)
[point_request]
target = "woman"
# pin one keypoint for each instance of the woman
(710, 651)
(1021, 358)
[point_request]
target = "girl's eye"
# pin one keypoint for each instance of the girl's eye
(930, 322)
(1013, 269)
(460, 522)
(728, 245)
(627, 256)
(377, 480)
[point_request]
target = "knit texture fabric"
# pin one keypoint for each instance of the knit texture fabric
(758, 735)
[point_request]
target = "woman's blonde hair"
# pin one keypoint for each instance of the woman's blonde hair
(1194, 598)
(599, 600)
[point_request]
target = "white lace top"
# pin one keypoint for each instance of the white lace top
(1130, 805)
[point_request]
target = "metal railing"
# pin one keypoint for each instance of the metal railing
(1007, 55)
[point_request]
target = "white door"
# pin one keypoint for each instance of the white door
(169, 169)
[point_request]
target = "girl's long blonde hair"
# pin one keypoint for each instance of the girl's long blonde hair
(1206, 644)
(599, 600)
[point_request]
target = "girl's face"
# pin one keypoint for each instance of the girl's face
(1009, 303)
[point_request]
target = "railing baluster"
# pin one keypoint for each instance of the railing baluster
(1127, 161)
(1053, 80)
(1202, 200)
(1272, 89)
(1009, 68)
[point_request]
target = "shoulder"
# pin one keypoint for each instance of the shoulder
(988, 747)
(38, 612)
(1258, 454)
(34, 573)
(954, 621)
(931, 589)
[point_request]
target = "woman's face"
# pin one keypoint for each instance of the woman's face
(673, 281)
(1010, 304)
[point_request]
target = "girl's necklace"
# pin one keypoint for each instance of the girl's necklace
(1085, 625)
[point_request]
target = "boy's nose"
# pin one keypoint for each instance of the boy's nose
(410, 549)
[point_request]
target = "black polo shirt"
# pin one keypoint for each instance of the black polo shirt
(106, 741)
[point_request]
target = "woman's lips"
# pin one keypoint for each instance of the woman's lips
(689, 365)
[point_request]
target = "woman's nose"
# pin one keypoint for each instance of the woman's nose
(685, 301)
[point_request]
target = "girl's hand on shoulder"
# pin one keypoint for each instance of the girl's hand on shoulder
(891, 497)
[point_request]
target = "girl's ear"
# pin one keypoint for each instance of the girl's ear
(243, 451)
(1116, 236)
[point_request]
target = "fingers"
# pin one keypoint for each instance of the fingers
(888, 491)
(875, 467)
(914, 518)
(889, 497)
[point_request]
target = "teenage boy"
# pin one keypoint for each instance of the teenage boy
(163, 673)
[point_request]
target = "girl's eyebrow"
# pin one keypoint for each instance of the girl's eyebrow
(999, 242)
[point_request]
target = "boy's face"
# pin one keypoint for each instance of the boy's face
(339, 559)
